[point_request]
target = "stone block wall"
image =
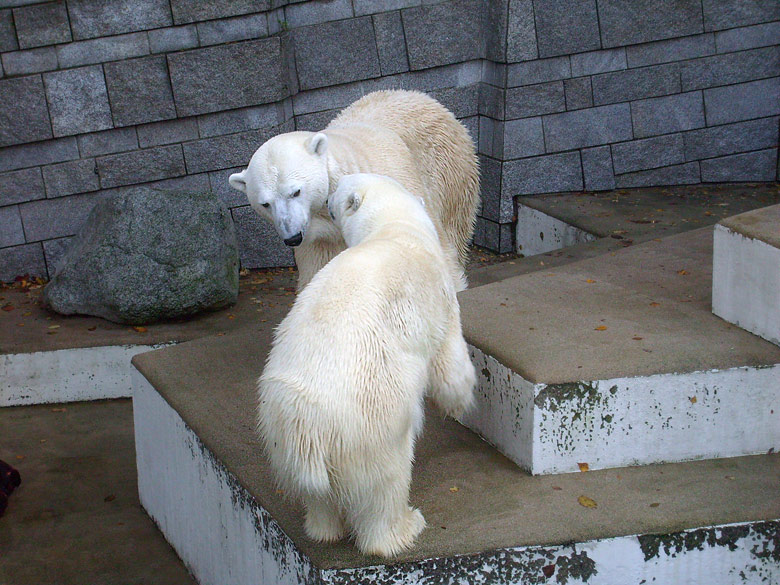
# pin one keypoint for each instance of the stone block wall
(97, 96)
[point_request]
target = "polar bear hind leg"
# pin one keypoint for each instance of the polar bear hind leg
(452, 374)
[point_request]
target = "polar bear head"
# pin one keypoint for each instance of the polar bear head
(364, 202)
(286, 182)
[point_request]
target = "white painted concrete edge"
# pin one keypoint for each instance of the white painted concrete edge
(626, 421)
(537, 232)
(219, 531)
(68, 375)
(746, 283)
(223, 535)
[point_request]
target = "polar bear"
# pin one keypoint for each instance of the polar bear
(406, 135)
(341, 394)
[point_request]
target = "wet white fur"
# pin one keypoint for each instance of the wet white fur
(341, 395)
(403, 134)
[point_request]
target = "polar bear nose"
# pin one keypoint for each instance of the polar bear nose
(294, 240)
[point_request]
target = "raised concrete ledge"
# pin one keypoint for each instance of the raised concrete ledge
(746, 272)
(68, 375)
(211, 493)
(537, 232)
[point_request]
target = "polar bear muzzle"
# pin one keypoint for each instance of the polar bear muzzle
(294, 240)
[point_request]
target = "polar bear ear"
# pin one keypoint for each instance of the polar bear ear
(237, 181)
(318, 144)
(353, 201)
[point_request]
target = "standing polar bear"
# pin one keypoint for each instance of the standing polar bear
(406, 135)
(341, 395)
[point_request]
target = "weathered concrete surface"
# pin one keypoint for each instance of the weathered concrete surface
(746, 272)
(545, 325)
(495, 504)
(76, 516)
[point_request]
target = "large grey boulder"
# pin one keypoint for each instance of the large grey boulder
(148, 255)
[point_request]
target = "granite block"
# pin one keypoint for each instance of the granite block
(684, 174)
(390, 43)
(141, 166)
(102, 50)
(108, 142)
(352, 53)
(315, 121)
(445, 33)
(579, 93)
(542, 174)
(240, 120)
(68, 178)
(492, 101)
(11, 230)
(308, 13)
(597, 168)
(176, 38)
(523, 138)
(99, 18)
(731, 138)
(487, 234)
(598, 62)
(635, 84)
(30, 61)
(745, 101)
(215, 78)
(239, 28)
(139, 91)
(588, 127)
(648, 153)
(538, 71)
(186, 11)
(259, 245)
(463, 101)
(42, 24)
(21, 186)
(535, 100)
(670, 50)
(78, 101)
(628, 22)
(54, 251)
(664, 115)
(56, 218)
(24, 116)
(363, 7)
(495, 30)
(566, 26)
(20, 260)
(326, 98)
(521, 32)
(730, 68)
(494, 207)
(750, 166)
(490, 134)
(749, 37)
(723, 14)
(40, 153)
(167, 132)
(8, 40)
(218, 183)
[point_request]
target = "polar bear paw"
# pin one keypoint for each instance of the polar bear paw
(324, 521)
(398, 538)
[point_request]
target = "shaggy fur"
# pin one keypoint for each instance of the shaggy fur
(402, 134)
(341, 396)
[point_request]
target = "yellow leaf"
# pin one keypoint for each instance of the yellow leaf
(587, 502)
(682, 272)
(590, 281)
(601, 328)
(693, 399)
(583, 466)
(139, 328)
(454, 489)
(54, 326)
(654, 304)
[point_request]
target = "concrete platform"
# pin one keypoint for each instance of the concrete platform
(50, 358)
(211, 493)
(76, 517)
(746, 271)
(617, 360)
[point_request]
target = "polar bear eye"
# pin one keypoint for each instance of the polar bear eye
(294, 195)
(266, 204)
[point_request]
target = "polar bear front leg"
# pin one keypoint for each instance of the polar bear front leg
(312, 256)
(324, 521)
(452, 373)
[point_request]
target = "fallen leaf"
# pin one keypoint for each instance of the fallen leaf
(454, 489)
(654, 304)
(601, 328)
(682, 272)
(548, 570)
(636, 338)
(243, 272)
(8, 307)
(54, 326)
(27, 314)
(92, 328)
(109, 498)
(231, 317)
(58, 409)
(20, 324)
(556, 488)
(220, 334)
(731, 477)
(20, 457)
(583, 466)
(590, 281)
(654, 505)
(693, 399)
(51, 333)
(139, 328)
(587, 502)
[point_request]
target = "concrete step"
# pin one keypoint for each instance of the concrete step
(746, 271)
(203, 479)
(617, 360)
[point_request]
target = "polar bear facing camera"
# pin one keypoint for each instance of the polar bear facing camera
(341, 395)
(406, 135)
